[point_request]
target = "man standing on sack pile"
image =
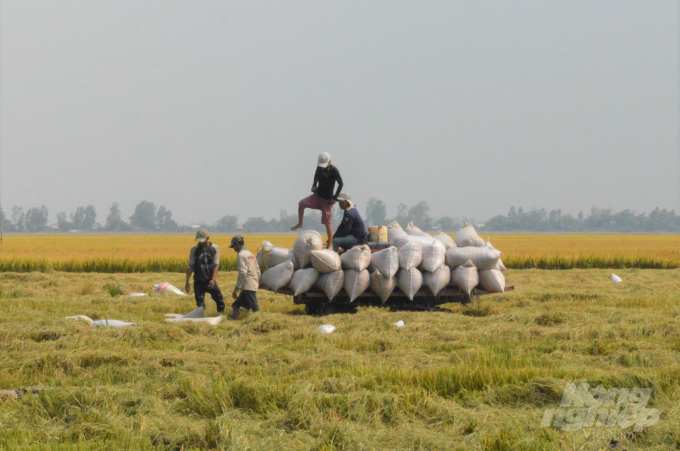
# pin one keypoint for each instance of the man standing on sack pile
(248, 278)
(351, 230)
(204, 262)
(325, 177)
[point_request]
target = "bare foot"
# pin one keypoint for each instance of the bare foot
(295, 227)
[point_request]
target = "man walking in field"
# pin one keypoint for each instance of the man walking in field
(325, 178)
(204, 262)
(248, 278)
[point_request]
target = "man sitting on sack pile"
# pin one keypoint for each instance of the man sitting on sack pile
(351, 230)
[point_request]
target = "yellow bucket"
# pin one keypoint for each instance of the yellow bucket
(377, 234)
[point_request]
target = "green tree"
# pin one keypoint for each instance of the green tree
(114, 221)
(227, 223)
(376, 212)
(144, 216)
(36, 219)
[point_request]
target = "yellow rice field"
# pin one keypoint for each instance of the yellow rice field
(550, 251)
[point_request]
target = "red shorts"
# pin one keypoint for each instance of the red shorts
(316, 202)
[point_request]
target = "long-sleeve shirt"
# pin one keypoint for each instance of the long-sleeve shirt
(324, 182)
(203, 261)
(248, 271)
(351, 224)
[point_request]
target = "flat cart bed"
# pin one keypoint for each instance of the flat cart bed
(316, 301)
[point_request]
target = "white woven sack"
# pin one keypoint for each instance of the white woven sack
(355, 283)
(270, 256)
(278, 276)
(445, 239)
(438, 280)
(394, 230)
(500, 266)
(467, 237)
(492, 280)
(326, 261)
(357, 258)
(386, 262)
(303, 280)
(307, 242)
(465, 277)
(412, 230)
(410, 255)
(482, 257)
(409, 282)
(331, 283)
(382, 286)
(434, 252)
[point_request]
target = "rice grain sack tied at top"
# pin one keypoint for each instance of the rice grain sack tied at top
(434, 252)
(467, 237)
(446, 240)
(386, 262)
(394, 230)
(331, 283)
(412, 230)
(269, 256)
(357, 258)
(409, 282)
(382, 286)
(438, 280)
(303, 280)
(326, 261)
(492, 280)
(307, 242)
(410, 255)
(278, 277)
(482, 257)
(465, 277)
(355, 283)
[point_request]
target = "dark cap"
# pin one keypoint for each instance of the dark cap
(238, 239)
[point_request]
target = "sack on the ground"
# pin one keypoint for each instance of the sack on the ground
(434, 252)
(482, 257)
(412, 230)
(307, 242)
(382, 286)
(326, 260)
(467, 237)
(386, 261)
(438, 280)
(355, 283)
(410, 255)
(409, 282)
(303, 280)
(269, 256)
(278, 277)
(165, 287)
(357, 258)
(394, 230)
(465, 277)
(331, 283)
(445, 239)
(492, 280)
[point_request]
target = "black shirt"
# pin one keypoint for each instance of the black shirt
(326, 178)
(203, 261)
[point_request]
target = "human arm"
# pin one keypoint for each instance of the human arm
(345, 226)
(242, 269)
(190, 268)
(187, 285)
(338, 180)
(216, 267)
(316, 180)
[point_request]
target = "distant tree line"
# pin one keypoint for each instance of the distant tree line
(599, 220)
(149, 218)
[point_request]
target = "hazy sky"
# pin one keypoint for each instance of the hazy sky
(216, 107)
